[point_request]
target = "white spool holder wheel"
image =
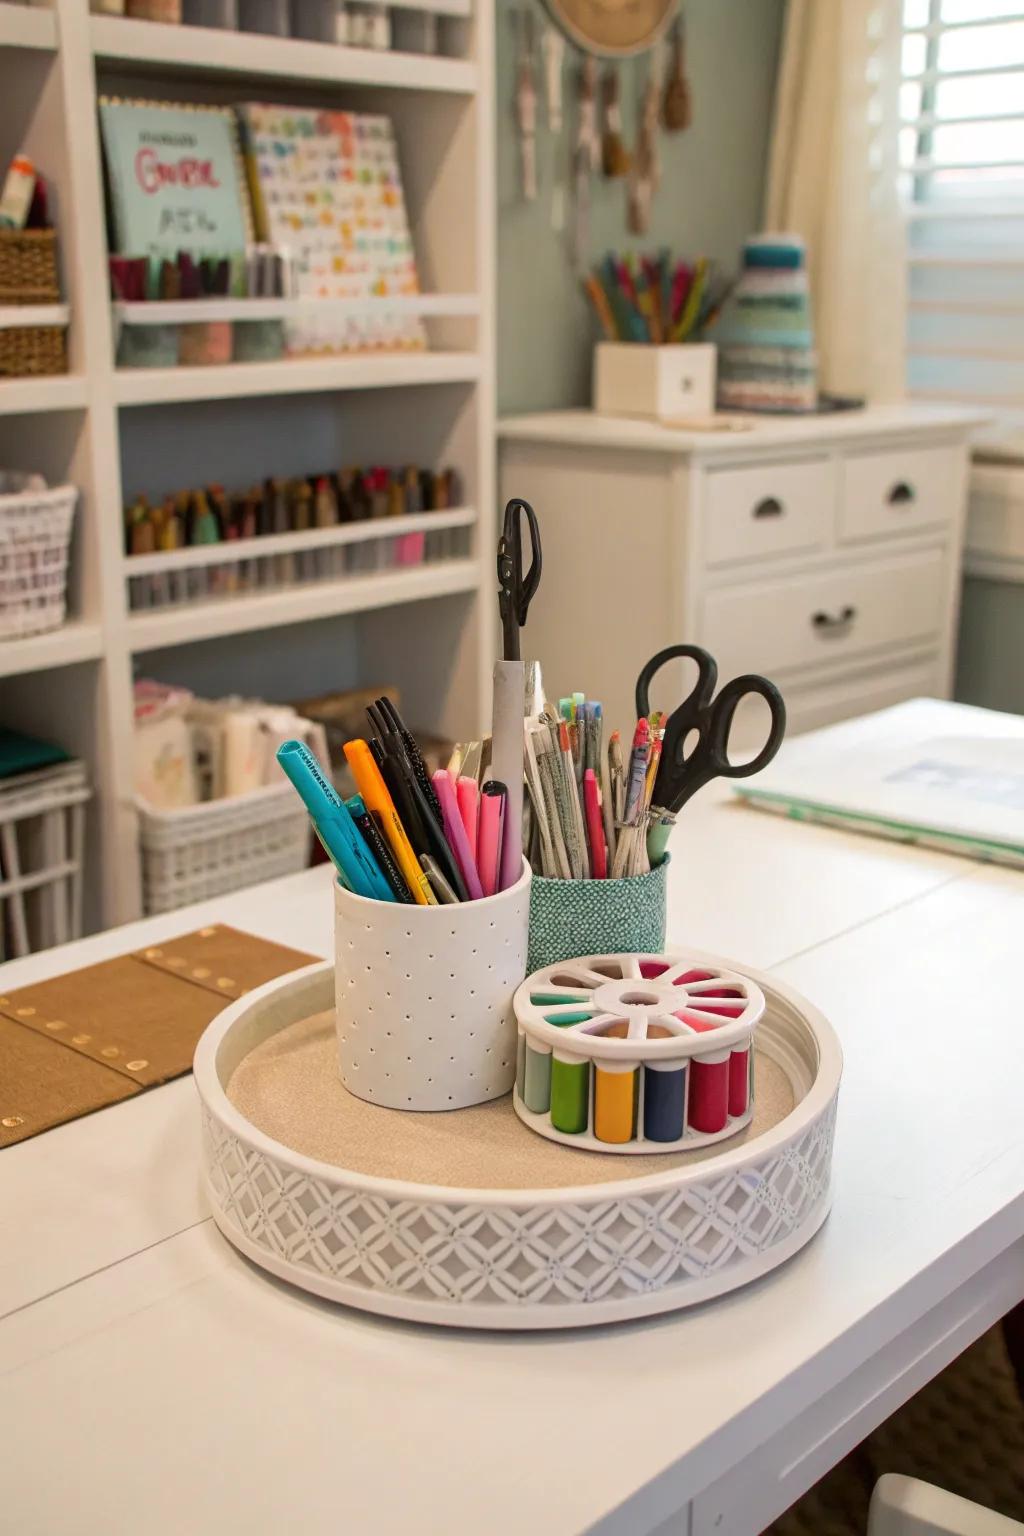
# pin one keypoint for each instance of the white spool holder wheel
(665, 1013)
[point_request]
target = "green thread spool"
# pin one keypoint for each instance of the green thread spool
(570, 1096)
(536, 1094)
(536, 1090)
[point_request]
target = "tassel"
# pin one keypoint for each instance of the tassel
(646, 170)
(677, 110)
(584, 158)
(614, 154)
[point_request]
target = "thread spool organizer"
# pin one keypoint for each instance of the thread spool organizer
(636, 1053)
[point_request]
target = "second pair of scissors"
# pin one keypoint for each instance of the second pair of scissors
(695, 749)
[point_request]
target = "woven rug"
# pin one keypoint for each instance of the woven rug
(964, 1432)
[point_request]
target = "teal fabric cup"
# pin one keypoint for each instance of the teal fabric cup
(569, 918)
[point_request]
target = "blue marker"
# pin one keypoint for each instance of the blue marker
(332, 823)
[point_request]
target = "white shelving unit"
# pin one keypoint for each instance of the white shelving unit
(116, 433)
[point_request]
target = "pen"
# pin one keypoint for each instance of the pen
(492, 820)
(637, 772)
(332, 823)
(374, 839)
(423, 829)
(374, 791)
(445, 895)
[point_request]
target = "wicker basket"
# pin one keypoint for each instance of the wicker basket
(27, 350)
(28, 275)
(154, 10)
(28, 266)
(205, 850)
(35, 536)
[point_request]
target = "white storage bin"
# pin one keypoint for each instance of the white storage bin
(222, 845)
(42, 850)
(424, 997)
(35, 539)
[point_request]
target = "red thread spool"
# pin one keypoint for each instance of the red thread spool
(709, 1093)
(708, 1108)
(739, 1081)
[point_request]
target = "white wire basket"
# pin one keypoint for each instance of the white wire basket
(42, 858)
(35, 539)
(222, 845)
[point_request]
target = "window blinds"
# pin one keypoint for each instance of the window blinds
(962, 175)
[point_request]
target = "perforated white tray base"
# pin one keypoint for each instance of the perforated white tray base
(518, 1258)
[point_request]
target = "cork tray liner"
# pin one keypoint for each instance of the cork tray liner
(288, 1087)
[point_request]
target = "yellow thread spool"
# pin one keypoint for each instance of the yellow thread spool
(614, 1105)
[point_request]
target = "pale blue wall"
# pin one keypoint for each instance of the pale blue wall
(710, 197)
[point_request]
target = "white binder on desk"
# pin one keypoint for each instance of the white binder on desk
(945, 775)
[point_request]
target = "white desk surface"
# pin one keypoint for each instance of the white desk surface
(586, 429)
(154, 1380)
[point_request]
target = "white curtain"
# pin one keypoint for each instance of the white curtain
(833, 178)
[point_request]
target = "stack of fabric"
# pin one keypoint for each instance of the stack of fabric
(766, 359)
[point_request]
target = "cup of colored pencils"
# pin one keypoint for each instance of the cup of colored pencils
(656, 299)
(594, 889)
(655, 360)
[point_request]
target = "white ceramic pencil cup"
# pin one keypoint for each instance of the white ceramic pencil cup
(423, 997)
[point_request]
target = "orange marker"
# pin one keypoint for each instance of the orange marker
(374, 791)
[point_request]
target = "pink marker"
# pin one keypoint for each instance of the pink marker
(492, 823)
(468, 793)
(455, 832)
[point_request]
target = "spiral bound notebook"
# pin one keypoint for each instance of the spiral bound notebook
(948, 776)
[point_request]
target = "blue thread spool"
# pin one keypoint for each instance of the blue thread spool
(664, 1101)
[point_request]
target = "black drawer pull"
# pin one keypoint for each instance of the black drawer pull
(834, 624)
(769, 507)
(901, 494)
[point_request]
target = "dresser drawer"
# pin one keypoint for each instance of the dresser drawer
(897, 492)
(829, 616)
(771, 509)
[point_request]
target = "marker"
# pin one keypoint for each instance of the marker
(492, 820)
(455, 832)
(468, 794)
(595, 826)
(332, 823)
(375, 794)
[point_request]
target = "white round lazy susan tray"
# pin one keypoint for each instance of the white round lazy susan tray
(469, 1217)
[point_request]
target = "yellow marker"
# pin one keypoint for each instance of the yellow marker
(370, 783)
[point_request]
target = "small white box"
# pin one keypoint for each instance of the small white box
(667, 382)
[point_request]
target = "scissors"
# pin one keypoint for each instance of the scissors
(516, 591)
(680, 773)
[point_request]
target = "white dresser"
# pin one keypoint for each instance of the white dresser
(823, 552)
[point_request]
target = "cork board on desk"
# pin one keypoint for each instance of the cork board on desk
(93, 1037)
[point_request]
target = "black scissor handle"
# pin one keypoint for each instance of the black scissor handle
(516, 591)
(721, 715)
(700, 694)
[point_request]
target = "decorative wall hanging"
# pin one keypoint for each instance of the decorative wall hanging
(613, 28)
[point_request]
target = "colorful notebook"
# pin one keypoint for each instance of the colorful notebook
(176, 179)
(326, 188)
